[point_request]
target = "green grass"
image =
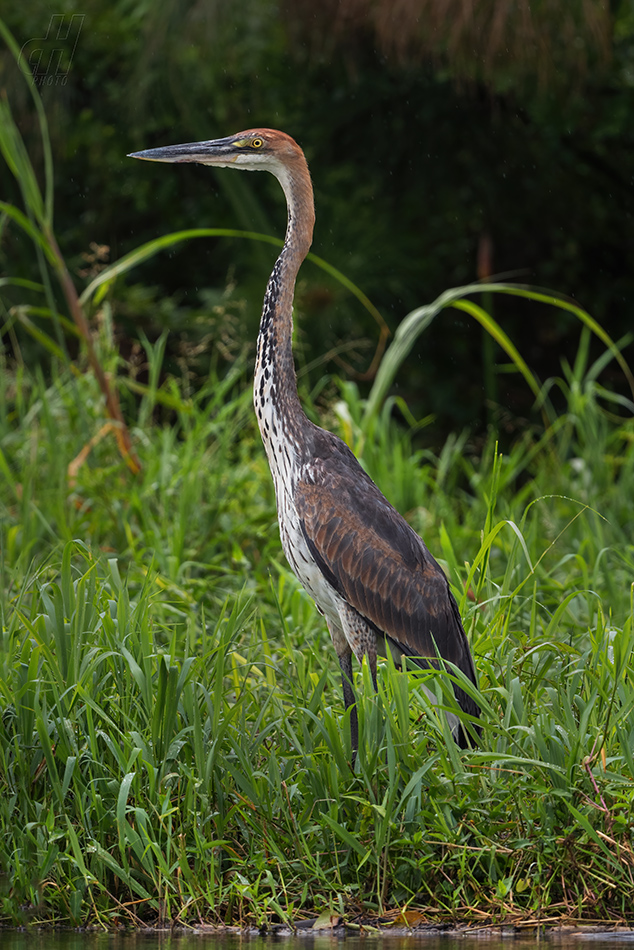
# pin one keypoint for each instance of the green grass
(173, 744)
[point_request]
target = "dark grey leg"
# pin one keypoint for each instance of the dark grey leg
(345, 662)
(371, 655)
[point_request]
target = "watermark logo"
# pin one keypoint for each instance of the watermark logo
(50, 57)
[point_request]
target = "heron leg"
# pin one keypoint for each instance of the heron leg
(371, 655)
(345, 662)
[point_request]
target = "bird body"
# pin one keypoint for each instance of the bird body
(367, 570)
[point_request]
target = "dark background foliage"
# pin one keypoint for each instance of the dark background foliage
(447, 140)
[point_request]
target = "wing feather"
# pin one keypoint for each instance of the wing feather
(376, 561)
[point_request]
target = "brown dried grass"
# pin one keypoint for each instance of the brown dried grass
(547, 42)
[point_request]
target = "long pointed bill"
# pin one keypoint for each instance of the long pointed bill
(214, 152)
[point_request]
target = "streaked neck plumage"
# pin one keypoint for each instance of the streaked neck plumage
(275, 398)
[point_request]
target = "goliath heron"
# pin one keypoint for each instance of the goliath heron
(366, 569)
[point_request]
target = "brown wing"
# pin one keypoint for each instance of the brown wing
(375, 560)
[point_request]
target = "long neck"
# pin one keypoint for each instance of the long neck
(275, 385)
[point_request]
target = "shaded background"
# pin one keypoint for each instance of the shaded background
(447, 140)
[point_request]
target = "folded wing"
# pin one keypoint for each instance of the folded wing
(377, 562)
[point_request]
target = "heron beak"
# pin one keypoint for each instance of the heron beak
(214, 152)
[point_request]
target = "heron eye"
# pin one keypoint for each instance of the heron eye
(257, 143)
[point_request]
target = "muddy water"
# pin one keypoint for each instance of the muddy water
(44, 940)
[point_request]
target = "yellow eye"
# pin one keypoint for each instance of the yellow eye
(257, 143)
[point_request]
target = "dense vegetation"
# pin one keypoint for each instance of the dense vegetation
(172, 740)
(173, 744)
(505, 153)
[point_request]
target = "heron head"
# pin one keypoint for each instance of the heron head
(255, 149)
